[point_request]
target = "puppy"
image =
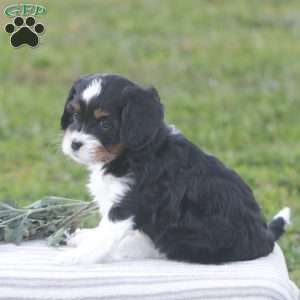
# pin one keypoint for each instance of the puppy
(159, 195)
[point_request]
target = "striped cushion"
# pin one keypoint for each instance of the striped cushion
(30, 272)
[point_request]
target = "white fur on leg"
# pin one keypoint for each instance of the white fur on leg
(98, 246)
(136, 245)
(80, 236)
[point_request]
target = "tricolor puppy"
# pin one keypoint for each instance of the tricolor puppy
(159, 194)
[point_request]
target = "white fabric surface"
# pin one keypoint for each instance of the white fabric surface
(30, 272)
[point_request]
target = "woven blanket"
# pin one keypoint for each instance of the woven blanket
(31, 272)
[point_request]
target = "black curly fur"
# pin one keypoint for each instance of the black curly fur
(192, 206)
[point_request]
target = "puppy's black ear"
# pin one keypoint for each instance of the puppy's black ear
(141, 117)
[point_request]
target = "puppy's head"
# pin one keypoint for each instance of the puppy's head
(105, 114)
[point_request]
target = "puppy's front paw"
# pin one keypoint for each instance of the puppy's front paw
(80, 236)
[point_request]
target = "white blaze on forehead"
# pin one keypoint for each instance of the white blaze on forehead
(93, 90)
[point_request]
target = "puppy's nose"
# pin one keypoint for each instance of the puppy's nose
(76, 145)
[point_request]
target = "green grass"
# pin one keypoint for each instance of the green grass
(227, 71)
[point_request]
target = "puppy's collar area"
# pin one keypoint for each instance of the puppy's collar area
(130, 159)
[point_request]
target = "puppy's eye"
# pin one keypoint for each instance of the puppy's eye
(105, 124)
(76, 116)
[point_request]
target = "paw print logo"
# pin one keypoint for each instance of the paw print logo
(23, 33)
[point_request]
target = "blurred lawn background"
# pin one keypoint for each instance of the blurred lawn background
(228, 73)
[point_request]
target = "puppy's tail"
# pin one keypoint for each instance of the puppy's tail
(279, 223)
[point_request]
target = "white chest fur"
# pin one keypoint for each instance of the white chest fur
(109, 241)
(107, 189)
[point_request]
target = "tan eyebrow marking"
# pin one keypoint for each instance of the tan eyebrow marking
(74, 106)
(99, 113)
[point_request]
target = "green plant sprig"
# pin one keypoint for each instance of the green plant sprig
(50, 217)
